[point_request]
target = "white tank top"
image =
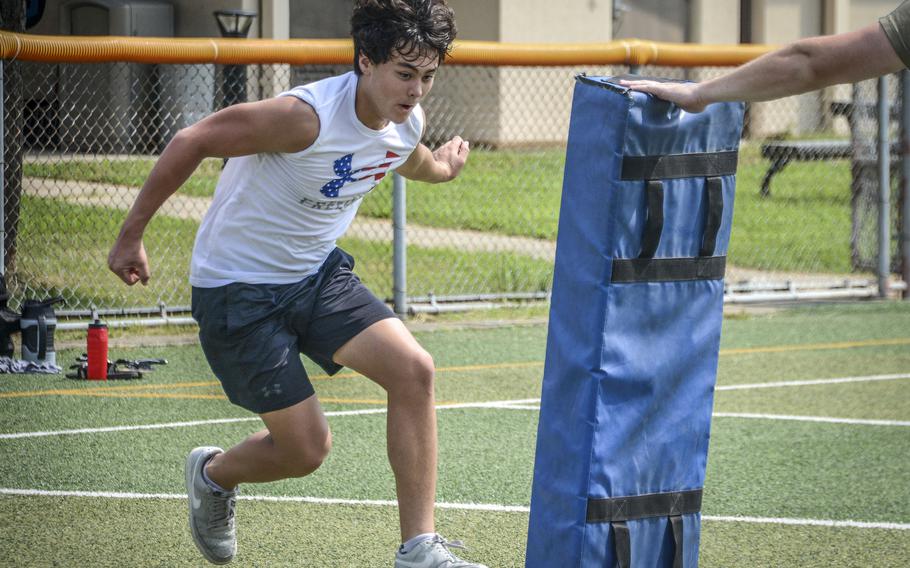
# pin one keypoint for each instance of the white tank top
(275, 217)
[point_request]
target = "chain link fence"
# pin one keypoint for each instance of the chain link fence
(81, 138)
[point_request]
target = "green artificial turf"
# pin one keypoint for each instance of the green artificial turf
(757, 467)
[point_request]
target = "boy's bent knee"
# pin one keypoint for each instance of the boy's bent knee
(422, 365)
(307, 458)
(419, 372)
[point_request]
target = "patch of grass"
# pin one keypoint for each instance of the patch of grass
(444, 271)
(847, 321)
(514, 192)
(63, 249)
(755, 476)
(53, 531)
(852, 400)
(803, 225)
(751, 545)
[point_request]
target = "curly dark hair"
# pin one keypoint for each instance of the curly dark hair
(416, 29)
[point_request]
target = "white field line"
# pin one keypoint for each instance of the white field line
(455, 506)
(752, 416)
(823, 419)
(492, 404)
(520, 404)
(15, 435)
(272, 498)
(835, 381)
(808, 522)
(39, 434)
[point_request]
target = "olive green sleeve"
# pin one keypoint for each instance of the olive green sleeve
(897, 27)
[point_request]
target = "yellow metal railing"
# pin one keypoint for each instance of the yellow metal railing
(95, 49)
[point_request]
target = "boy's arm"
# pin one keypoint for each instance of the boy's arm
(443, 164)
(284, 124)
(805, 65)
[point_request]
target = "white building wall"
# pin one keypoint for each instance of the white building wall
(864, 12)
(779, 22)
(713, 22)
(275, 23)
(535, 104)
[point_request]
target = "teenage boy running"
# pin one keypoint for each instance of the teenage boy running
(269, 283)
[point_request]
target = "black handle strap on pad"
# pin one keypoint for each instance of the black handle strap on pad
(655, 222)
(714, 192)
(651, 169)
(628, 270)
(623, 543)
(705, 266)
(644, 506)
(676, 523)
(618, 510)
(673, 166)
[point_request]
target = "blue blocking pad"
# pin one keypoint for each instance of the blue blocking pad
(634, 331)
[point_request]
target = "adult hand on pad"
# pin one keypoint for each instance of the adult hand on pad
(684, 95)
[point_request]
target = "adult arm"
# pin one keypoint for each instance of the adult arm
(443, 164)
(805, 65)
(283, 124)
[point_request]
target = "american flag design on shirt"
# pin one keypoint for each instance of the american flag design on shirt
(342, 168)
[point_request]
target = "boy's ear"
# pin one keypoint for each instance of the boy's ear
(364, 62)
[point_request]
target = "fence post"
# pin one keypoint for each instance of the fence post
(905, 181)
(2, 175)
(399, 247)
(884, 189)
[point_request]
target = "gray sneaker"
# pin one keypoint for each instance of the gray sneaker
(211, 511)
(434, 553)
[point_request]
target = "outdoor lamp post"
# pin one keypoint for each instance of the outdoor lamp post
(236, 24)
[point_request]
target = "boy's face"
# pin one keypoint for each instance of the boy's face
(395, 87)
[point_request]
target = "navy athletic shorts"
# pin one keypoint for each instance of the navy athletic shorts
(253, 334)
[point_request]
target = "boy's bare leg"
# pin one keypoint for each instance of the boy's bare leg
(295, 443)
(387, 353)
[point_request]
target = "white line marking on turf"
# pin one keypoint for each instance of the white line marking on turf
(123, 428)
(808, 522)
(824, 419)
(99, 494)
(333, 501)
(835, 381)
(15, 435)
(492, 404)
(745, 415)
(272, 498)
(520, 404)
(454, 506)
